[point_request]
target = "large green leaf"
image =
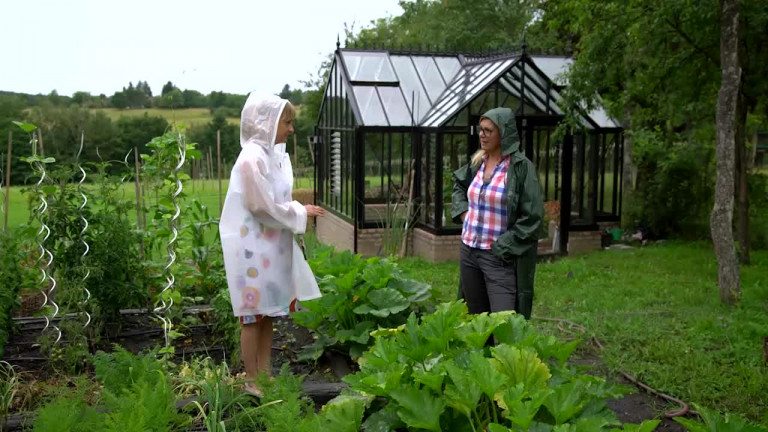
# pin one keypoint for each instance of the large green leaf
(495, 427)
(476, 331)
(550, 346)
(715, 422)
(521, 366)
(430, 372)
(418, 408)
(308, 318)
(521, 407)
(344, 413)
(383, 302)
(26, 127)
(360, 334)
(384, 420)
(414, 290)
(567, 400)
(462, 392)
(379, 383)
(514, 330)
(646, 426)
(439, 328)
(488, 378)
(378, 276)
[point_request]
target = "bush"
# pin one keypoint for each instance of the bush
(758, 210)
(675, 186)
(359, 295)
(438, 373)
(13, 277)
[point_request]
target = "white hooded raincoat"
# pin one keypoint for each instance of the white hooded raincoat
(266, 270)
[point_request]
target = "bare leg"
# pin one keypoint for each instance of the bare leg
(249, 349)
(264, 358)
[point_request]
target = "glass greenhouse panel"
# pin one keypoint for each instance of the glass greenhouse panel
(411, 85)
(396, 109)
(430, 76)
(369, 66)
(370, 107)
(449, 67)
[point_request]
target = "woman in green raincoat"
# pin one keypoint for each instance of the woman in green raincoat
(497, 198)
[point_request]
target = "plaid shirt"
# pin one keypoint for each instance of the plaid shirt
(486, 219)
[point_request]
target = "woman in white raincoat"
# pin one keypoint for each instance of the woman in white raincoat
(266, 270)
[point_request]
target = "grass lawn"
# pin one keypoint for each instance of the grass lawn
(207, 191)
(657, 312)
(186, 116)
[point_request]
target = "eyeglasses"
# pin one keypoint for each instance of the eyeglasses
(485, 131)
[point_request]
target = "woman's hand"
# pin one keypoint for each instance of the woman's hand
(313, 210)
(463, 216)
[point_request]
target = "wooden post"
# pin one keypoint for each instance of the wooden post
(138, 197)
(40, 142)
(192, 174)
(8, 179)
(295, 154)
(210, 163)
(203, 169)
(218, 163)
(408, 210)
(311, 150)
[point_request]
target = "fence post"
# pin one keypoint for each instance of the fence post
(8, 179)
(218, 163)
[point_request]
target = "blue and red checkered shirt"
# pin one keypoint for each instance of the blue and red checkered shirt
(486, 218)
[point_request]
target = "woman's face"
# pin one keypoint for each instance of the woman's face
(490, 138)
(284, 128)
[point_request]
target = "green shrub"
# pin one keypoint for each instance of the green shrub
(359, 295)
(438, 374)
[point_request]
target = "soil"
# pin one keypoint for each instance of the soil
(323, 378)
(632, 408)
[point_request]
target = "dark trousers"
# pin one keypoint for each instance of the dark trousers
(488, 284)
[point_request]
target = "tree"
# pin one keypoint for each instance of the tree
(138, 131)
(118, 100)
(82, 99)
(451, 24)
(722, 213)
(167, 88)
(193, 99)
(216, 99)
(54, 98)
(172, 99)
(135, 97)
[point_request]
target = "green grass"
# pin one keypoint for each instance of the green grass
(207, 191)
(186, 116)
(657, 312)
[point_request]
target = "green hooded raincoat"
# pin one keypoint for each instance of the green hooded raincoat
(524, 212)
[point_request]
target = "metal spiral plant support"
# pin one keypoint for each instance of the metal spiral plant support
(161, 310)
(82, 233)
(45, 231)
(125, 162)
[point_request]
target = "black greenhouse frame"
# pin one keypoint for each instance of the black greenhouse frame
(388, 114)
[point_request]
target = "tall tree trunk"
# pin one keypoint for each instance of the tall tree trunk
(721, 221)
(742, 180)
(628, 173)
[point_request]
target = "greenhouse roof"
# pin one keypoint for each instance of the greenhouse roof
(407, 89)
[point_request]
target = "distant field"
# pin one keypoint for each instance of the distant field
(204, 190)
(186, 116)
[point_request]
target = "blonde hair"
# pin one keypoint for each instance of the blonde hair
(477, 158)
(289, 112)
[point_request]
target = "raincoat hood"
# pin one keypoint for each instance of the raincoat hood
(504, 119)
(259, 120)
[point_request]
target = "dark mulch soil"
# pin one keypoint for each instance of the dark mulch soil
(632, 408)
(141, 332)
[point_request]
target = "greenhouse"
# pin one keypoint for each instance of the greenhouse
(394, 125)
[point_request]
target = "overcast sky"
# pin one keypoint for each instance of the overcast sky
(99, 46)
